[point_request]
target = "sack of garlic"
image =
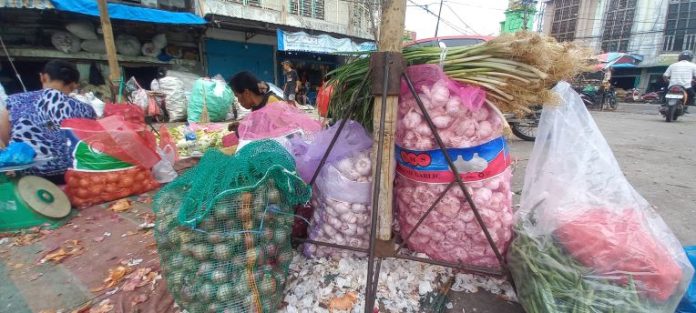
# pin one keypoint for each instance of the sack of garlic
(472, 134)
(341, 200)
(277, 121)
(308, 155)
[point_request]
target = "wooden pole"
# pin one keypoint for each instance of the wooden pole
(391, 31)
(114, 70)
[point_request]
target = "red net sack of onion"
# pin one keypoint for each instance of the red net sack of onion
(450, 232)
(342, 198)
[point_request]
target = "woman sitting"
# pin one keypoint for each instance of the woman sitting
(35, 118)
(247, 88)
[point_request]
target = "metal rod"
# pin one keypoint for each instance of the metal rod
(332, 245)
(423, 217)
(465, 268)
(369, 293)
(9, 58)
(351, 108)
(439, 12)
(457, 178)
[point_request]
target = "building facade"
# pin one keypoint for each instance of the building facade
(654, 30)
(223, 37)
(257, 35)
(35, 31)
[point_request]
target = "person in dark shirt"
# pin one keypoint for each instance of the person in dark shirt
(291, 82)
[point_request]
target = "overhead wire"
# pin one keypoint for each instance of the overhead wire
(441, 19)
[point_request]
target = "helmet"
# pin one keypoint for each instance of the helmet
(686, 55)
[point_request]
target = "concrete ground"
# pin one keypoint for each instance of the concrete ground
(658, 158)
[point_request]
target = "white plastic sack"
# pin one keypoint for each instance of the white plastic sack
(65, 42)
(164, 170)
(175, 98)
(94, 46)
(93, 101)
(159, 41)
(149, 50)
(83, 30)
(128, 45)
(585, 238)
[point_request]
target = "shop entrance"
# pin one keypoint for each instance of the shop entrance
(310, 67)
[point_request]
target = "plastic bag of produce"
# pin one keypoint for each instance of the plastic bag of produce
(585, 239)
(353, 138)
(277, 121)
(212, 97)
(472, 134)
(342, 203)
(223, 230)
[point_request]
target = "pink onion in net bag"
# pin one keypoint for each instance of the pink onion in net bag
(276, 120)
(451, 233)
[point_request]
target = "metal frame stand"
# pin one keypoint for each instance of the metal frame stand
(377, 249)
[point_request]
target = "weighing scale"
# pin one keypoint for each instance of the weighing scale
(30, 201)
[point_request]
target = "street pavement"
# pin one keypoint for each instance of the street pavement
(658, 159)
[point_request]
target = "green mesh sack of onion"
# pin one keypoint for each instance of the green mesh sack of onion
(223, 230)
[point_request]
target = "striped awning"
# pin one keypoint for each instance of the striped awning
(27, 4)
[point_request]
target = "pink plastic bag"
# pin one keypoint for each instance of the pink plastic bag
(276, 120)
(123, 140)
(472, 135)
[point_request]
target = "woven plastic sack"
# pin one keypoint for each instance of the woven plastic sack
(65, 42)
(175, 98)
(585, 238)
(353, 138)
(211, 97)
(472, 134)
(125, 141)
(223, 230)
(128, 45)
(83, 30)
(342, 203)
(94, 46)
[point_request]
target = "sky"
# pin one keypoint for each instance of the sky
(459, 17)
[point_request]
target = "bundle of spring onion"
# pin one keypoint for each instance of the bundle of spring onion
(517, 70)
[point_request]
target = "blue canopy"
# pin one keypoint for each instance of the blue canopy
(128, 12)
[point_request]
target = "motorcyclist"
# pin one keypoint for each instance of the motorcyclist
(682, 74)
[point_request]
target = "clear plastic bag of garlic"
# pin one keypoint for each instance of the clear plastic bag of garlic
(472, 135)
(341, 198)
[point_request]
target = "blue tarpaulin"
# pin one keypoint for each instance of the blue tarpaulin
(128, 12)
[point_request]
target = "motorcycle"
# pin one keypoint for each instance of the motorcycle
(632, 95)
(654, 97)
(525, 126)
(675, 103)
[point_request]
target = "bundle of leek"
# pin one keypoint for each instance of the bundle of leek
(517, 71)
